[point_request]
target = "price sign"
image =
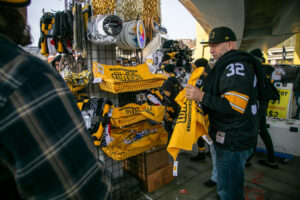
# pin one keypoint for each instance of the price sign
(280, 107)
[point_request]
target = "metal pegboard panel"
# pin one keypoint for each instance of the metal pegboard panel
(105, 54)
(109, 55)
(133, 57)
(124, 185)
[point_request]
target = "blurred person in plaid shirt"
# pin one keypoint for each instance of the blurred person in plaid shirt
(46, 151)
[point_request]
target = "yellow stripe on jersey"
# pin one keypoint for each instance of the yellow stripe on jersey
(238, 101)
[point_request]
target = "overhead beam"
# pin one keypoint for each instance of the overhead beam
(190, 6)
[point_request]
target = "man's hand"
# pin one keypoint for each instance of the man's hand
(193, 93)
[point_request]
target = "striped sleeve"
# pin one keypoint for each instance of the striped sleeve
(237, 101)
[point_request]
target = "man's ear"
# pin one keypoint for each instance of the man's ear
(234, 44)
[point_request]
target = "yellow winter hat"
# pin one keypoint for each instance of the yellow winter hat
(15, 3)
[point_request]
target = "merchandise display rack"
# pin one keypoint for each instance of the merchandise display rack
(129, 176)
(108, 54)
(124, 184)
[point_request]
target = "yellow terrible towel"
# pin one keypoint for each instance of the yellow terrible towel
(127, 115)
(155, 113)
(190, 124)
(180, 99)
(117, 79)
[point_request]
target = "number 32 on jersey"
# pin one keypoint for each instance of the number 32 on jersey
(236, 68)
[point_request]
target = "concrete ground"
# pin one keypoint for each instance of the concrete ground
(260, 182)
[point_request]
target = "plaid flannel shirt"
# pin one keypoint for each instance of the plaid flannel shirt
(43, 140)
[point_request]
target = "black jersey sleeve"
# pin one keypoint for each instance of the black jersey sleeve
(216, 103)
(234, 89)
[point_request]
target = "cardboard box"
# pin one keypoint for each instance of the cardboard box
(156, 160)
(159, 178)
(148, 162)
(151, 168)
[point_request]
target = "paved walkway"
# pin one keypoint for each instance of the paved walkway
(261, 182)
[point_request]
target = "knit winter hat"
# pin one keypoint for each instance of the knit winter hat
(165, 57)
(201, 62)
(168, 44)
(169, 68)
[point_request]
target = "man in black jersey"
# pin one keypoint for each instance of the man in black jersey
(230, 95)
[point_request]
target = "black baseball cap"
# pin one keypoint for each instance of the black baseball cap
(220, 34)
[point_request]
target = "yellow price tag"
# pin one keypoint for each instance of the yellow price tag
(175, 168)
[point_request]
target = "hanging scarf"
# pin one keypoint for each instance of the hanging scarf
(96, 113)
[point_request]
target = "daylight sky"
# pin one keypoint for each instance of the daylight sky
(175, 17)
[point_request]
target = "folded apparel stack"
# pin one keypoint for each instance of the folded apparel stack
(118, 79)
(133, 113)
(127, 115)
(135, 139)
